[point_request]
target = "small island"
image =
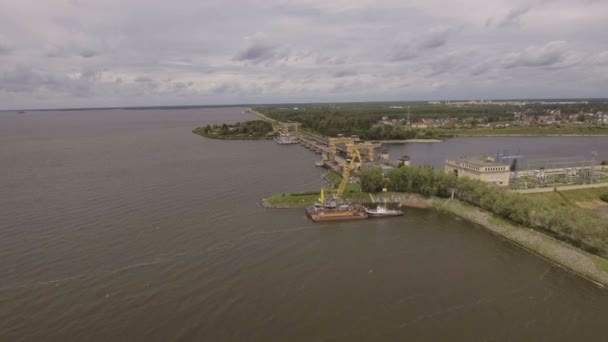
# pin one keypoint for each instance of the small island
(248, 130)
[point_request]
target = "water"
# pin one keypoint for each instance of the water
(530, 148)
(124, 226)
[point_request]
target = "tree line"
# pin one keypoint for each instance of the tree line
(571, 224)
(254, 129)
(361, 119)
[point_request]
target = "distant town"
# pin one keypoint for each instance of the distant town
(529, 117)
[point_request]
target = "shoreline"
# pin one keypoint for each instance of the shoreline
(527, 135)
(586, 265)
(407, 141)
(236, 138)
(459, 134)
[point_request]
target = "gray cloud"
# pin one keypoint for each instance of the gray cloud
(404, 52)
(259, 50)
(330, 60)
(450, 62)
(344, 73)
(20, 79)
(5, 47)
(433, 39)
(511, 18)
(88, 53)
(110, 52)
(143, 79)
(550, 54)
(436, 37)
(480, 69)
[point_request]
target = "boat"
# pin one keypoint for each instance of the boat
(382, 211)
(334, 209)
(320, 163)
(343, 212)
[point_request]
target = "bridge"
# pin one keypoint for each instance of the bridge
(330, 147)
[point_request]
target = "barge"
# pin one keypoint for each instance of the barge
(345, 212)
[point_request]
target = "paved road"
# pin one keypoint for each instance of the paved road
(562, 188)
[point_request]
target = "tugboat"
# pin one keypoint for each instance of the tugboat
(382, 211)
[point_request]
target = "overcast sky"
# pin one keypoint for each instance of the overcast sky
(74, 53)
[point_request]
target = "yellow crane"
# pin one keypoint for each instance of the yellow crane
(345, 175)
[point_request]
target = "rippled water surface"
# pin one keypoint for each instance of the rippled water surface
(123, 226)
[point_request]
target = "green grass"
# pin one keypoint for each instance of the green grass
(570, 197)
(303, 200)
(602, 264)
(334, 178)
(361, 197)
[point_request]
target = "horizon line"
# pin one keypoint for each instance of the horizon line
(295, 103)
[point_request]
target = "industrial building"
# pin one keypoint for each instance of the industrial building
(484, 168)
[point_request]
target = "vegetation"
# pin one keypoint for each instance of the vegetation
(333, 178)
(604, 197)
(560, 199)
(305, 199)
(361, 119)
(571, 224)
(294, 200)
(372, 179)
(249, 130)
(588, 265)
(351, 120)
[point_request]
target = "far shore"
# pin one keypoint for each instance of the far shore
(405, 141)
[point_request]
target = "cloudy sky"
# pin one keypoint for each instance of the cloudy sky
(75, 53)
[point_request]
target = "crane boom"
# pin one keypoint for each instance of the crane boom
(346, 173)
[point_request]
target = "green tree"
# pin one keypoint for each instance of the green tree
(372, 180)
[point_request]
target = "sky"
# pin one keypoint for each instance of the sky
(107, 53)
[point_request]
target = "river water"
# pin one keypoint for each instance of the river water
(532, 150)
(123, 226)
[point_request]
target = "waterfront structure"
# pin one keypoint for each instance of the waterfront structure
(285, 139)
(484, 168)
(288, 127)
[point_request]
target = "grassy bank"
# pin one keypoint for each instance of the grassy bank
(291, 200)
(588, 200)
(305, 199)
(587, 265)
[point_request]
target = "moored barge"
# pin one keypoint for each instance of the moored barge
(343, 212)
